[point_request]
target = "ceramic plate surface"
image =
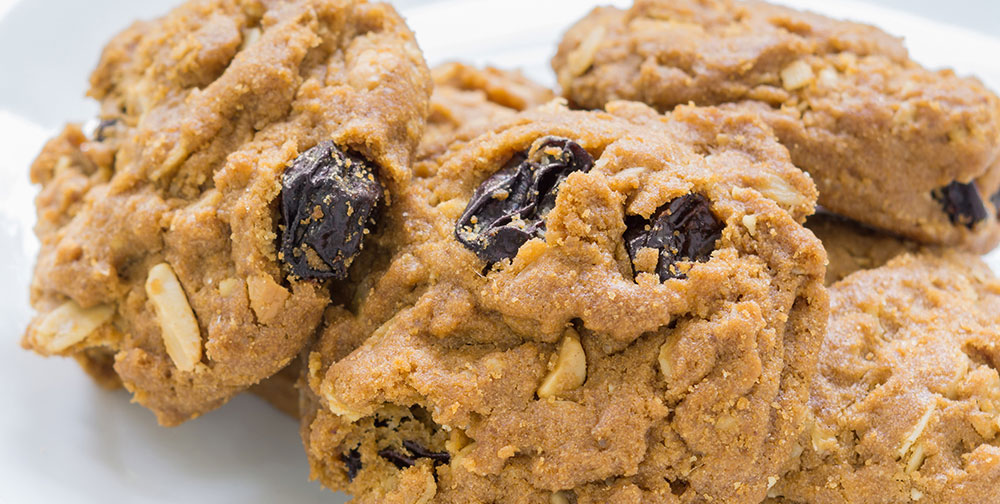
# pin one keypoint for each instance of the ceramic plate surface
(64, 440)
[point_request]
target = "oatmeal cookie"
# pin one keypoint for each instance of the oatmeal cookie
(852, 247)
(245, 150)
(578, 307)
(890, 144)
(906, 405)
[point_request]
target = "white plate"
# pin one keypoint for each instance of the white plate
(64, 440)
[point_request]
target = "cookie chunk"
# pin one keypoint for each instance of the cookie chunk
(467, 101)
(579, 307)
(890, 144)
(852, 247)
(906, 404)
(246, 150)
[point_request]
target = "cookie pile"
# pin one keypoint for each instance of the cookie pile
(469, 290)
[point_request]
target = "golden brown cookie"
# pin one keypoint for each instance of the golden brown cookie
(578, 307)
(852, 247)
(245, 149)
(890, 144)
(906, 404)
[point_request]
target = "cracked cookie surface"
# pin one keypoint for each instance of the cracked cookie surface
(890, 144)
(160, 234)
(906, 404)
(568, 371)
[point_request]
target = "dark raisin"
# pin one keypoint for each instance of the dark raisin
(398, 459)
(962, 203)
(402, 461)
(510, 207)
(685, 229)
(352, 460)
(419, 451)
(995, 199)
(101, 133)
(329, 200)
(678, 487)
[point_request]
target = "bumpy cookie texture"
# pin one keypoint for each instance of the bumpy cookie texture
(889, 143)
(161, 234)
(567, 371)
(467, 101)
(906, 404)
(852, 247)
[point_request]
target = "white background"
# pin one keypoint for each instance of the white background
(64, 440)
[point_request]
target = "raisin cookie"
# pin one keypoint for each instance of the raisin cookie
(906, 403)
(852, 247)
(466, 101)
(245, 150)
(579, 307)
(890, 144)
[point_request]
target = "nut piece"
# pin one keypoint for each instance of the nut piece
(229, 287)
(750, 222)
(916, 459)
(337, 407)
(917, 430)
(570, 370)
(457, 440)
(797, 75)
(823, 441)
(828, 77)
(267, 298)
(777, 189)
(179, 328)
(69, 324)
(581, 59)
(250, 36)
(666, 351)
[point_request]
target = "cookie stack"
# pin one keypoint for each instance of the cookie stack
(471, 291)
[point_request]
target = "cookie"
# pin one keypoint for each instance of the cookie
(890, 144)
(852, 247)
(578, 307)
(906, 404)
(468, 100)
(245, 150)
